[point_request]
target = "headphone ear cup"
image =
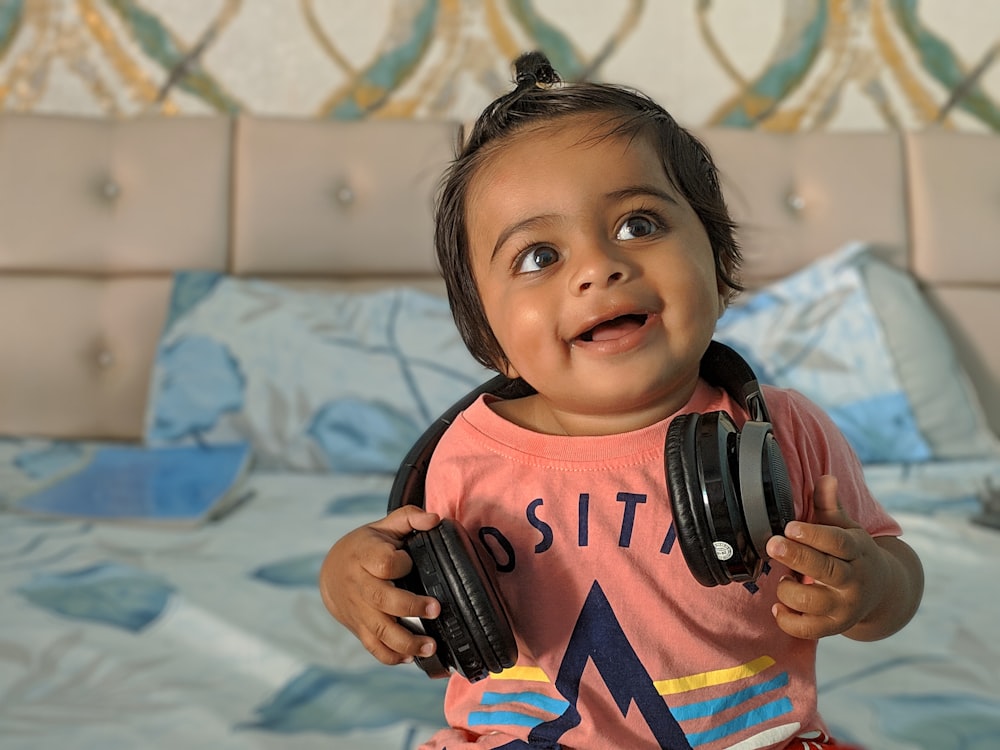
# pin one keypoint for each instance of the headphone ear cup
(473, 632)
(765, 488)
(478, 600)
(426, 579)
(686, 500)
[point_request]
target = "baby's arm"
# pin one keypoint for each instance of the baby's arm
(866, 588)
(355, 582)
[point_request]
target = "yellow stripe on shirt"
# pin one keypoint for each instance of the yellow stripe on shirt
(529, 674)
(715, 677)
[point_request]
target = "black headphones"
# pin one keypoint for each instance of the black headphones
(729, 488)
(729, 493)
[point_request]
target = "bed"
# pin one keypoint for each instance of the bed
(199, 280)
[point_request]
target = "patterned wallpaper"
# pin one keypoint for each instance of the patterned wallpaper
(770, 64)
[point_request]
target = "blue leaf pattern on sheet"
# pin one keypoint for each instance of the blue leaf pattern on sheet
(294, 571)
(49, 460)
(190, 288)
(314, 380)
(334, 701)
(218, 388)
(108, 593)
(362, 436)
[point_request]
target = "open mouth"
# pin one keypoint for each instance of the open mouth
(615, 328)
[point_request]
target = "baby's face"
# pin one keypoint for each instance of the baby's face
(596, 275)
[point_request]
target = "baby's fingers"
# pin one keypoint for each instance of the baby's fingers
(396, 602)
(402, 521)
(395, 642)
(803, 625)
(808, 610)
(386, 562)
(809, 562)
(392, 643)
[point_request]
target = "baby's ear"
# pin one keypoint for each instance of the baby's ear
(724, 294)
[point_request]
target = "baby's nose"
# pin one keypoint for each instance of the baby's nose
(599, 266)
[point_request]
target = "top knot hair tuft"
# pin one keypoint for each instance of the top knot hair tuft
(532, 69)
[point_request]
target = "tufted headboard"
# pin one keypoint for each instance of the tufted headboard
(95, 215)
(930, 201)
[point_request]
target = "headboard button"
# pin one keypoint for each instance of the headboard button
(110, 189)
(795, 202)
(345, 195)
(105, 358)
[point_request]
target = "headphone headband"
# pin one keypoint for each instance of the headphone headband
(720, 365)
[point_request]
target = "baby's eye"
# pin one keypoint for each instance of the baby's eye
(537, 258)
(635, 227)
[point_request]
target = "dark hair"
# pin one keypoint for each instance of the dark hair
(537, 99)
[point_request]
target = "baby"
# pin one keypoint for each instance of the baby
(588, 251)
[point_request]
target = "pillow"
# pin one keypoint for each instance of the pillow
(314, 380)
(945, 403)
(856, 336)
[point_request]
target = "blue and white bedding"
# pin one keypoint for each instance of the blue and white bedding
(936, 683)
(215, 637)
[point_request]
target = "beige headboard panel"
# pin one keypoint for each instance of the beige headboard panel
(312, 197)
(98, 196)
(84, 345)
(96, 214)
(954, 197)
(797, 197)
(955, 202)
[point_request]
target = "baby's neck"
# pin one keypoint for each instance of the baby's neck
(538, 414)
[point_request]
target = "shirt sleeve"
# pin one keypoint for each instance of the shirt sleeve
(814, 446)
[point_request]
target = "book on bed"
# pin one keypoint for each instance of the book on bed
(186, 485)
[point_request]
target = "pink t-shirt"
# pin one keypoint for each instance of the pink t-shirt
(619, 646)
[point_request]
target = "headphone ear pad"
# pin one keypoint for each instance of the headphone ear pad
(684, 485)
(478, 599)
(473, 631)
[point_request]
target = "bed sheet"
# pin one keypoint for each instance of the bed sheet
(935, 685)
(215, 637)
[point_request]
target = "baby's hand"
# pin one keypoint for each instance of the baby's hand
(842, 571)
(356, 583)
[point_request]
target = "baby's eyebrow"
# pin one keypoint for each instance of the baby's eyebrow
(532, 222)
(633, 191)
